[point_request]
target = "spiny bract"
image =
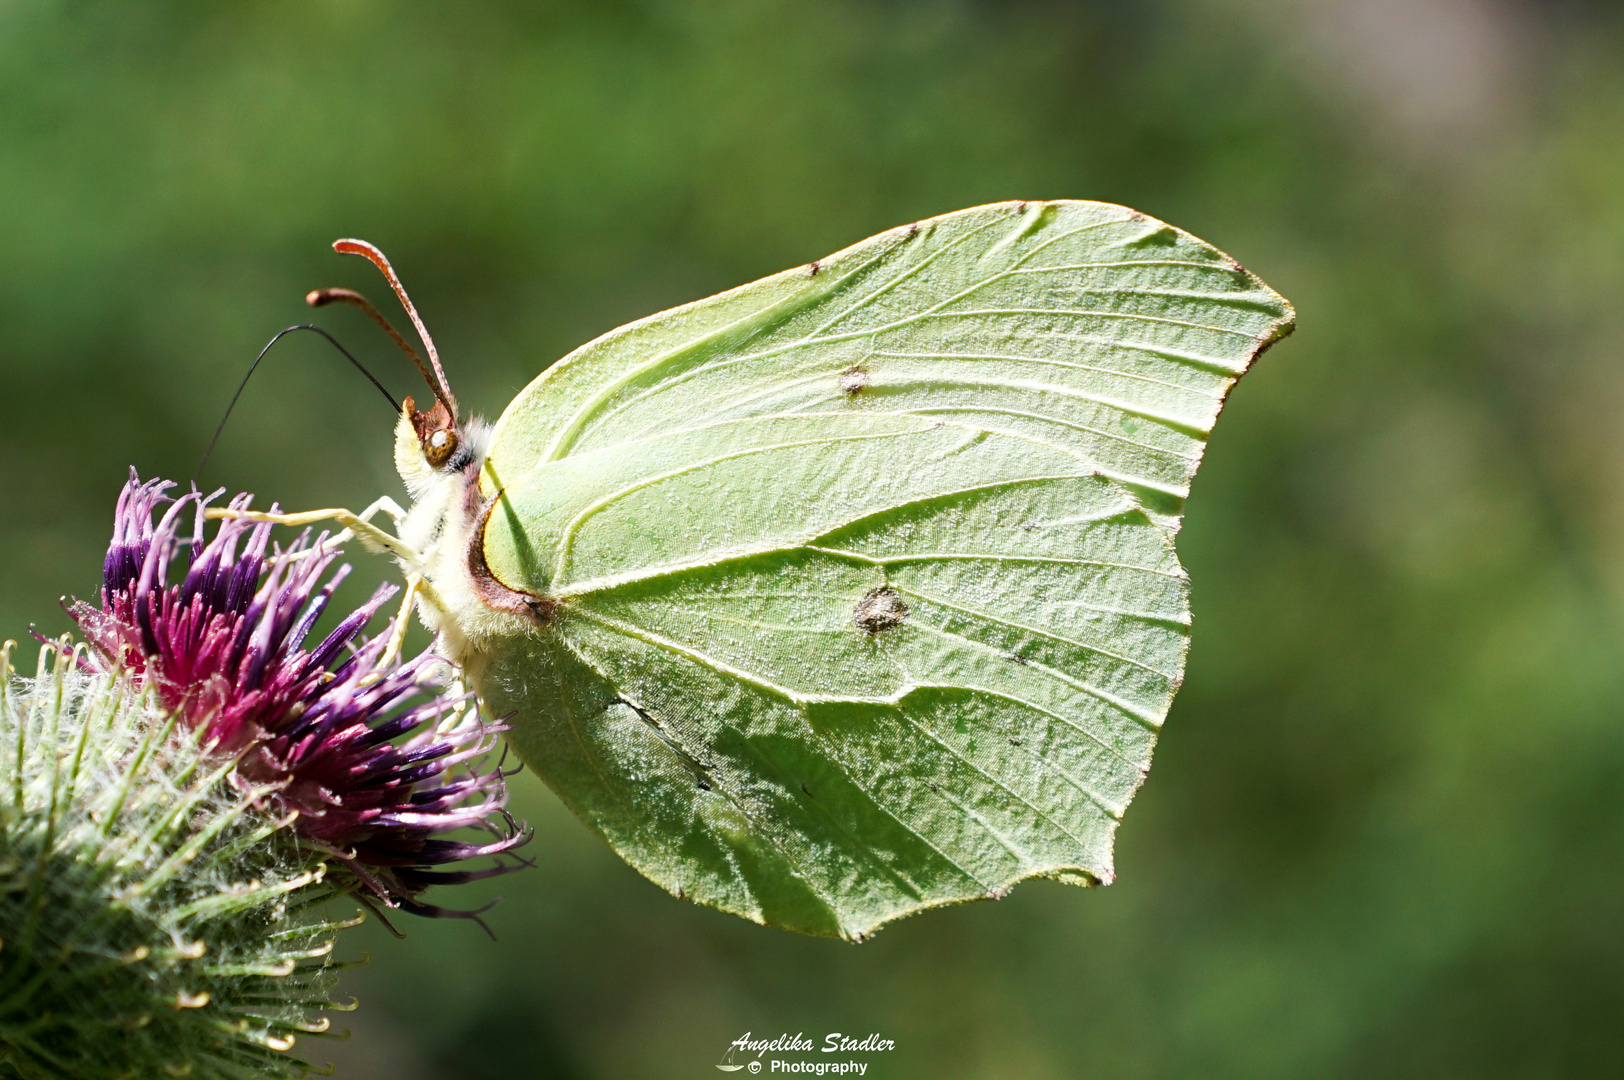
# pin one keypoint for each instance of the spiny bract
(134, 946)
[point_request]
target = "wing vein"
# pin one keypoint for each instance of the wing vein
(1040, 632)
(1146, 719)
(935, 410)
(886, 287)
(1081, 313)
(1047, 361)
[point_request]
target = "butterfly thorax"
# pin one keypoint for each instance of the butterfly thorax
(442, 526)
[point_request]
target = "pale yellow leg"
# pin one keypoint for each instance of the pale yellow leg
(382, 505)
(372, 537)
(397, 635)
(354, 524)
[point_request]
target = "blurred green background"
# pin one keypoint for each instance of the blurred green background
(1384, 835)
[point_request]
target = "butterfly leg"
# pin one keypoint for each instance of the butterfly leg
(355, 524)
(397, 635)
(382, 505)
(397, 631)
(418, 588)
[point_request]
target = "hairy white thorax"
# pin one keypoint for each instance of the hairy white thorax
(438, 529)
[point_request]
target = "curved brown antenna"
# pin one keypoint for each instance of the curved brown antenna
(441, 387)
(323, 297)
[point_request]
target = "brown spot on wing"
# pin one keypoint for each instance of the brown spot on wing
(879, 609)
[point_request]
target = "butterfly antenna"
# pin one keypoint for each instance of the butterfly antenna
(251, 368)
(323, 297)
(439, 384)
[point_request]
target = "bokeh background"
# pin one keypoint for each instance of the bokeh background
(1384, 835)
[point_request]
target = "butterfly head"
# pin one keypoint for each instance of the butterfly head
(434, 445)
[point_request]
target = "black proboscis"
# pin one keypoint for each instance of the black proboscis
(393, 404)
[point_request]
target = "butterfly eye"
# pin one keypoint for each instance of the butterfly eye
(439, 446)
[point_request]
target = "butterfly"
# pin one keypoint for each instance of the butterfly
(850, 592)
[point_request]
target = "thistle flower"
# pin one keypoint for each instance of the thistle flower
(223, 649)
(176, 795)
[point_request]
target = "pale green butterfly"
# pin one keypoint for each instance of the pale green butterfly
(849, 592)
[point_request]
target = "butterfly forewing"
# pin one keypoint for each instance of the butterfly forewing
(865, 592)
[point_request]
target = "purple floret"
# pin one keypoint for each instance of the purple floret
(377, 761)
